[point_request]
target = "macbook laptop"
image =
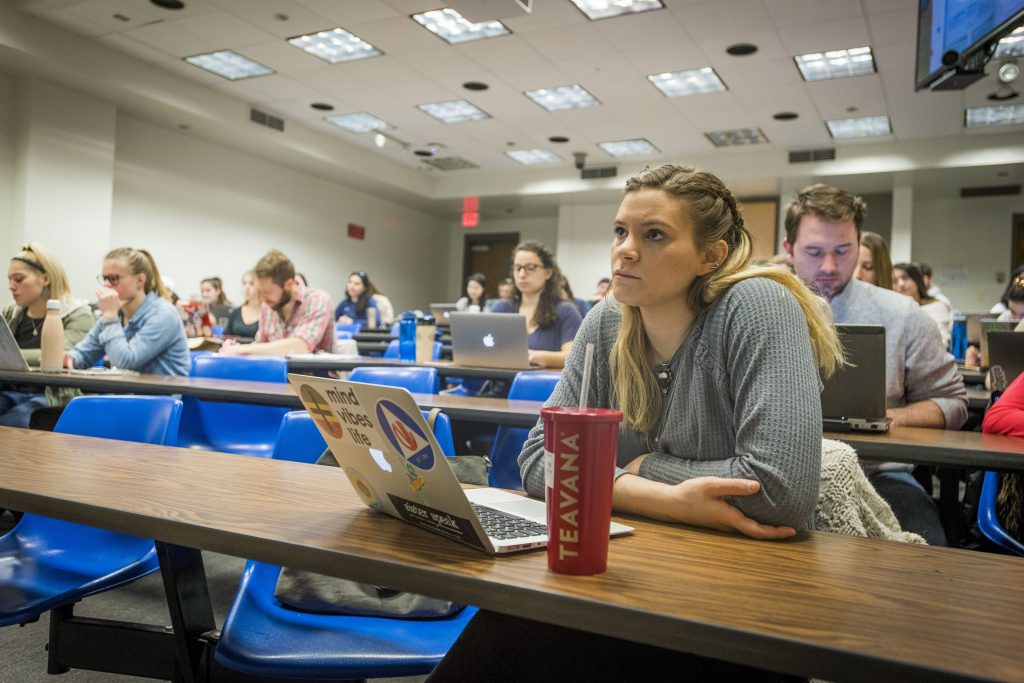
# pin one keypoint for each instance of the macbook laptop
(492, 340)
(854, 397)
(10, 355)
(992, 325)
(1006, 349)
(389, 454)
(441, 312)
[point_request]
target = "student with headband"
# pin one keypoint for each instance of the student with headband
(34, 276)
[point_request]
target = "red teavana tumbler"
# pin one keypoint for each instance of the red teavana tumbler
(579, 470)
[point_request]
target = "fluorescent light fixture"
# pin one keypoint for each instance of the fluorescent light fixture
(229, 64)
(999, 115)
(359, 122)
(335, 45)
(629, 148)
(453, 27)
(604, 9)
(533, 157)
(693, 82)
(453, 111)
(1011, 46)
(737, 136)
(563, 97)
(820, 66)
(861, 127)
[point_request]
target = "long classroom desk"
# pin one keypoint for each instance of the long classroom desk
(329, 362)
(817, 605)
(918, 446)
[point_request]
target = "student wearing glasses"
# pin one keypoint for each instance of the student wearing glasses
(714, 365)
(138, 328)
(33, 277)
(551, 321)
(358, 299)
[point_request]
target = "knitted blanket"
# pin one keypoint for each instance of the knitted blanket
(848, 503)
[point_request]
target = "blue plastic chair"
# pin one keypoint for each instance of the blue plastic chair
(264, 639)
(394, 329)
(351, 328)
(48, 562)
(508, 441)
(415, 379)
(988, 521)
(233, 427)
(392, 350)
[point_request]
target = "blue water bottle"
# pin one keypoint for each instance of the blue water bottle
(958, 345)
(407, 337)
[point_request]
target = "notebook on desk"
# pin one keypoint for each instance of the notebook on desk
(389, 454)
(1006, 350)
(491, 340)
(854, 397)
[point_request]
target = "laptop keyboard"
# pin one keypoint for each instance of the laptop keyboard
(504, 526)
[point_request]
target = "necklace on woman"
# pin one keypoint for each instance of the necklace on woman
(35, 325)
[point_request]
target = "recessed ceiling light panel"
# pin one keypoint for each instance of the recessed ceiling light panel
(533, 157)
(605, 9)
(737, 136)
(820, 66)
(335, 45)
(453, 27)
(359, 122)
(629, 148)
(453, 111)
(1011, 46)
(1001, 115)
(861, 127)
(693, 82)
(229, 64)
(563, 97)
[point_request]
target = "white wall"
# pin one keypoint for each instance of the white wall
(205, 210)
(8, 235)
(966, 242)
(584, 244)
(543, 229)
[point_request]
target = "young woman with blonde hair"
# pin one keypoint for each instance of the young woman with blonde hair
(33, 277)
(138, 328)
(715, 366)
(874, 265)
(244, 321)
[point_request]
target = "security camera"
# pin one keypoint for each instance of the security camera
(581, 159)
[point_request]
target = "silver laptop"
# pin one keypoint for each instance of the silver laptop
(989, 325)
(389, 454)
(1006, 350)
(10, 355)
(854, 397)
(441, 312)
(492, 340)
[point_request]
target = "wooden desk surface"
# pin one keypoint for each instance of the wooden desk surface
(821, 605)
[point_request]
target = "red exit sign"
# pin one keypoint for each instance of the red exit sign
(356, 232)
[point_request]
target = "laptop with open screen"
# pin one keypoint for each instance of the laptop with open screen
(992, 325)
(441, 312)
(854, 397)
(492, 340)
(10, 355)
(1006, 349)
(389, 454)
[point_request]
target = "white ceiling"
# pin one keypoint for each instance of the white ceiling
(555, 45)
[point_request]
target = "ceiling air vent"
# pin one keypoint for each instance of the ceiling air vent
(992, 191)
(807, 155)
(265, 119)
(599, 172)
(449, 163)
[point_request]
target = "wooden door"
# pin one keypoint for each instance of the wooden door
(490, 255)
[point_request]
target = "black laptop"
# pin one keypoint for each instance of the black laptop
(853, 399)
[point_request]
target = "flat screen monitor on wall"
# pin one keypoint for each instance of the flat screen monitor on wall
(956, 35)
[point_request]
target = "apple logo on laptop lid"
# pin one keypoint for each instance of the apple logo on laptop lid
(489, 340)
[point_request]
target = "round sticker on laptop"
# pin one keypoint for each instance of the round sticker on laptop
(321, 411)
(363, 488)
(405, 435)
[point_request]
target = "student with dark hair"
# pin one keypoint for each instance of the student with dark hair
(476, 294)
(211, 290)
(358, 298)
(35, 276)
(1013, 299)
(602, 290)
(714, 364)
(551, 321)
(581, 305)
(930, 288)
(909, 281)
(138, 329)
(293, 318)
(506, 288)
(874, 265)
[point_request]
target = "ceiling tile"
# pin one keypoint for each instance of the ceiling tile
(281, 56)
(264, 14)
(795, 12)
(838, 34)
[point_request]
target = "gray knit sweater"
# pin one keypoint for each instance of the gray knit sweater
(744, 403)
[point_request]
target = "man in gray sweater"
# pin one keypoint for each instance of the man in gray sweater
(923, 387)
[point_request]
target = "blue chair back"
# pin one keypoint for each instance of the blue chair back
(394, 329)
(988, 521)
(351, 328)
(233, 427)
(415, 379)
(392, 350)
(508, 441)
(50, 562)
(299, 440)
